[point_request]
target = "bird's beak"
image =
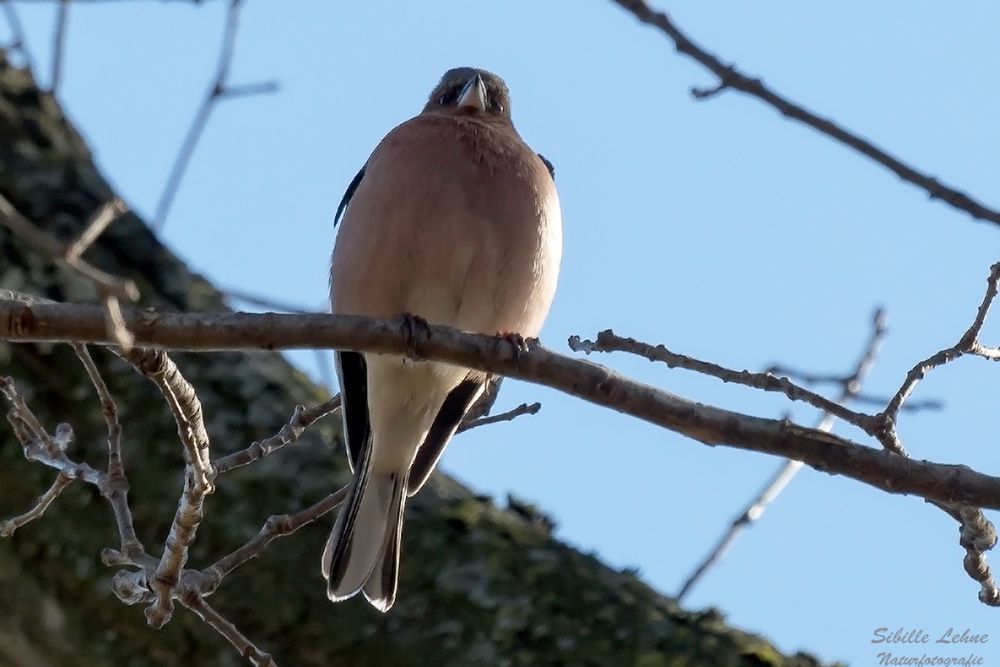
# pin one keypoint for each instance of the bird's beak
(473, 95)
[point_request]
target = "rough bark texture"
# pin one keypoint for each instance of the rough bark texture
(481, 585)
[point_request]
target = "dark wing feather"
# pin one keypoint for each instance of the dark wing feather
(548, 165)
(448, 418)
(350, 193)
(353, 374)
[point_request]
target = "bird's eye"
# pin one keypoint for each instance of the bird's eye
(447, 98)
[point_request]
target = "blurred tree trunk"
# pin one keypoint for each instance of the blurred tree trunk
(480, 585)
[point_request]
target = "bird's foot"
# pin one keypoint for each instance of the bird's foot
(414, 327)
(517, 344)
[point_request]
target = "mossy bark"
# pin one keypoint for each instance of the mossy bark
(480, 585)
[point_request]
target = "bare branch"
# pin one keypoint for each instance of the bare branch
(274, 527)
(27, 231)
(597, 384)
(59, 45)
(266, 302)
(115, 488)
(218, 91)
(198, 475)
(38, 445)
(98, 222)
(850, 386)
(227, 629)
(20, 42)
(8, 526)
(968, 344)
(289, 433)
(731, 78)
(609, 341)
(510, 415)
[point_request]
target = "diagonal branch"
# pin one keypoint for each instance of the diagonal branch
(227, 629)
(59, 45)
(275, 527)
(968, 344)
(218, 91)
(609, 341)
(19, 42)
(732, 78)
(850, 386)
(302, 419)
(8, 526)
(41, 242)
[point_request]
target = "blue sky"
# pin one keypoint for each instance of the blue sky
(716, 228)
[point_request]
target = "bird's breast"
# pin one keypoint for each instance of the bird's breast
(455, 220)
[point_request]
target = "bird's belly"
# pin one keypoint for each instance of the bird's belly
(491, 280)
(404, 397)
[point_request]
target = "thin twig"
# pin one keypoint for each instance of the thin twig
(219, 90)
(227, 629)
(30, 233)
(301, 420)
(275, 526)
(59, 44)
(116, 487)
(115, 323)
(968, 344)
(731, 78)
(850, 386)
(101, 219)
(20, 42)
(609, 341)
(38, 445)
(510, 415)
(8, 526)
(267, 302)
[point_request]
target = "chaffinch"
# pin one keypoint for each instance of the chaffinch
(453, 220)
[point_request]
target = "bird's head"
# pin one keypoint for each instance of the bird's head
(471, 91)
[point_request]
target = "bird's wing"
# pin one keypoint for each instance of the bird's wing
(350, 193)
(352, 372)
(448, 418)
(545, 160)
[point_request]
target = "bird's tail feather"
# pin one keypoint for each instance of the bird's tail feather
(371, 510)
(380, 590)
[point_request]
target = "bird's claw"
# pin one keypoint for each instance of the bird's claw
(412, 324)
(517, 343)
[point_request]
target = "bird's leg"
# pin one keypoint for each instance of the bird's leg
(411, 325)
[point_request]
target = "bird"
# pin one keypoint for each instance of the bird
(455, 221)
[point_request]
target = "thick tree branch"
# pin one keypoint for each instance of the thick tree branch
(714, 426)
(198, 475)
(732, 78)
